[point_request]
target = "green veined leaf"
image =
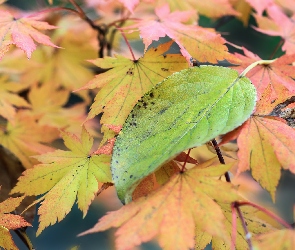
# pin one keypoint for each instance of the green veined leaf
(185, 110)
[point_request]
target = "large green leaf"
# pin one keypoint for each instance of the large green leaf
(185, 110)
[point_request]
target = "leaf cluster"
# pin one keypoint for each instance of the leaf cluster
(128, 117)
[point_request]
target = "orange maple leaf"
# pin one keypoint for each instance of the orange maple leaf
(65, 176)
(277, 74)
(280, 239)
(9, 98)
(10, 221)
(47, 107)
(194, 41)
(254, 224)
(24, 137)
(278, 24)
(265, 145)
(187, 200)
(22, 32)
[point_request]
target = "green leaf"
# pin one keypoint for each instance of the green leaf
(185, 110)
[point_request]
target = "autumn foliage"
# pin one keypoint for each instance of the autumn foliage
(71, 79)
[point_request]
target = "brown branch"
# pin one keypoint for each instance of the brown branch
(220, 157)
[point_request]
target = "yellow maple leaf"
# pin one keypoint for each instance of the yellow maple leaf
(128, 80)
(187, 200)
(65, 175)
(10, 221)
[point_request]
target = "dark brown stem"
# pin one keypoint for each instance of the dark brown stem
(262, 209)
(101, 29)
(276, 48)
(183, 166)
(220, 157)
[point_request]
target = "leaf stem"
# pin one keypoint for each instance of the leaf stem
(269, 213)
(247, 233)
(276, 48)
(253, 65)
(186, 158)
(234, 227)
(127, 43)
(21, 233)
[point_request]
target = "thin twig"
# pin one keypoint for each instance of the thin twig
(101, 29)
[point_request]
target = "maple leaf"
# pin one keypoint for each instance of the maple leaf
(259, 5)
(265, 145)
(10, 221)
(200, 43)
(278, 24)
(130, 4)
(254, 224)
(244, 10)
(211, 8)
(47, 106)
(265, 142)
(22, 32)
(24, 137)
(65, 176)
(127, 80)
(286, 5)
(274, 75)
(185, 201)
(284, 239)
(66, 67)
(9, 98)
